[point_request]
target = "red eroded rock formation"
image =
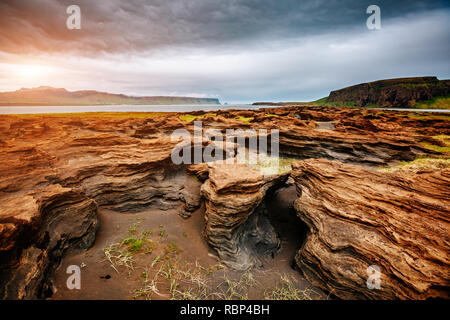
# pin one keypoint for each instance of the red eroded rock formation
(56, 171)
(36, 231)
(232, 195)
(357, 217)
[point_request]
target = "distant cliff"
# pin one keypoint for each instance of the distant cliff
(402, 92)
(48, 96)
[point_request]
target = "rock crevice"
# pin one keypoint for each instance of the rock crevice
(235, 224)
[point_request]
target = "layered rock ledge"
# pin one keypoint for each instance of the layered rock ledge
(36, 231)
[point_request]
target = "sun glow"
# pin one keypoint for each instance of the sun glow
(30, 71)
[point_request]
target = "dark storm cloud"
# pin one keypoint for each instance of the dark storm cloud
(117, 26)
(237, 50)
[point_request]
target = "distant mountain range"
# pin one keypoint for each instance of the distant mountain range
(48, 96)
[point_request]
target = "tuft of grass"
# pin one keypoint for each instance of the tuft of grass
(182, 281)
(138, 245)
(442, 102)
(147, 233)
(155, 261)
(443, 138)
(132, 229)
(435, 147)
(286, 290)
(231, 289)
(166, 276)
(117, 257)
(325, 103)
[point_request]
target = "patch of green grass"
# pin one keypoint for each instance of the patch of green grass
(273, 165)
(325, 103)
(415, 85)
(132, 230)
(166, 276)
(172, 248)
(138, 245)
(171, 278)
(373, 106)
(128, 240)
(320, 102)
(420, 164)
(435, 147)
(183, 281)
(187, 117)
(155, 261)
(190, 117)
(236, 289)
(147, 233)
(444, 139)
(442, 102)
(428, 117)
(149, 247)
(244, 119)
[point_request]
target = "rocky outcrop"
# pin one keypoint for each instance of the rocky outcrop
(350, 147)
(124, 163)
(36, 231)
(399, 222)
(50, 191)
(403, 92)
(236, 226)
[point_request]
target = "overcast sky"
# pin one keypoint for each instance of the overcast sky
(237, 50)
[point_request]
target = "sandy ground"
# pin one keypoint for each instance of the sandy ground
(188, 251)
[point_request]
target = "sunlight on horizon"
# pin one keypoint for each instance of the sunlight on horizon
(29, 74)
(31, 71)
